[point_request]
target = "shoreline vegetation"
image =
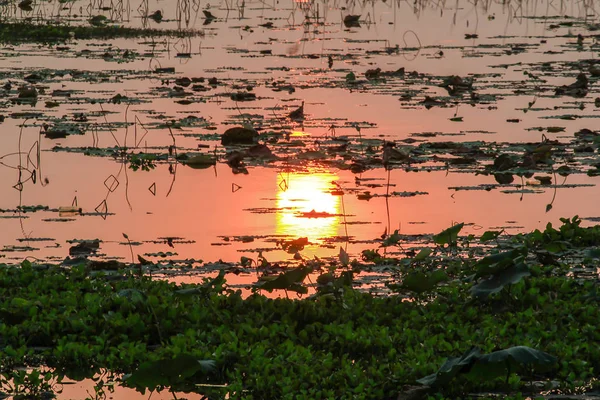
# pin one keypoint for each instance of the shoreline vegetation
(19, 32)
(518, 321)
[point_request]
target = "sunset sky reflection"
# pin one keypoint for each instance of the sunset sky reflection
(302, 193)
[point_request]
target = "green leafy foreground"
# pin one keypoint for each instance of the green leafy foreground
(448, 340)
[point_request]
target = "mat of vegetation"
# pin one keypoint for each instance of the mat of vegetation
(516, 322)
(14, 32)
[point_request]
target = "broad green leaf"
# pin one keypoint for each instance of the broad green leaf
(593, 253)
(420, 282)
(448, 236)
(513, 359)
(520, 354)
(19, 302)
(564, 170)
(345, 279)
(497, 262)
(200, 161)
(495, 284)
(557, 246)
(289, 280)
(488, 366)
(423, 254)
(490, 235)
(167, 372)
(452, 367)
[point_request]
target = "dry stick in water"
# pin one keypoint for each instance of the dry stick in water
(172, 152)
(131, 249)
(344, 214)
(127, 190)
(138, 142)
(108, 125)
(126, 125)
(387, 197)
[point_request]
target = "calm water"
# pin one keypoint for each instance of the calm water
(286, 53)
(215, 214)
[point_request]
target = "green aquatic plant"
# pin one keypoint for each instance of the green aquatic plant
(78, 320)
(17, 32)
(144, 162)
(448, 236)
(489, 366)
(167, 372)
(34, 384)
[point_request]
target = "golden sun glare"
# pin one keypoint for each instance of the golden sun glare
(299, 194)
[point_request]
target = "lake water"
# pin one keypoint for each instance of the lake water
(515, 55)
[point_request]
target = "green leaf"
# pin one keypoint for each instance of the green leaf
(488, 366)
(200, 161)
(289, 280)
(344, 257)
(495, 364)
(448, 236)
(497, 262)
(495, 284)
(143, 261)
(98, 20)
(564, 170)
(168, 372)
(490, 235)
(593, 253)
(18, 302)
(557, 246)
(423, 254)
(392, 240)
(452, 367)
(211, 285)
(133, 295)
(420, 282)
(520, 354)
(344, 280)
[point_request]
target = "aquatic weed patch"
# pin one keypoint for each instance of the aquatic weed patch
(340, 343)
(15, 32)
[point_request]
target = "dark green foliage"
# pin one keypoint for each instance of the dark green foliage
(144, 162)
(518, 358)
(289, 280)
(14, 32)
(448, 236)
(167, 372)
(488, 366)
(496, 283)
(451, 368)
(498, 262)
(490, 235)
(420, 282)
(340, 343)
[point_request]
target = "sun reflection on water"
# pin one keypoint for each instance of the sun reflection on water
(300, 193)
